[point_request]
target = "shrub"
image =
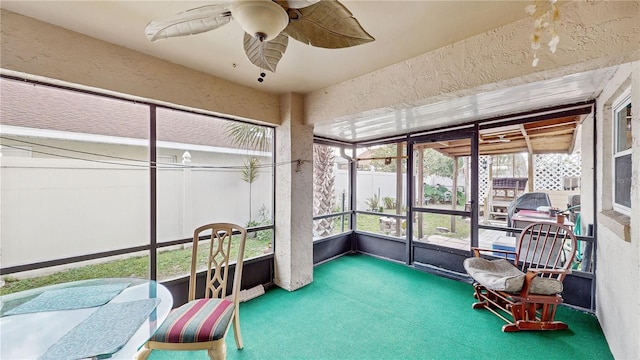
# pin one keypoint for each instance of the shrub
(373, 203)
(389, 202)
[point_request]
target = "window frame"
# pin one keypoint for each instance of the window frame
(618, 106)
(57, 264)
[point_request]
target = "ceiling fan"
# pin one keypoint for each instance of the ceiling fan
(500, 139)
(268, 25)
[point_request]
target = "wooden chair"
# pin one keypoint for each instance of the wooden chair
(202, 324)
(523, 289)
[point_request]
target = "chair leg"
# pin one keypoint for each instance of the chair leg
(143, 353)
(517, 311)
(219, 350)
(531, 313)
(477, 293)
(547, 312)
(236, 330)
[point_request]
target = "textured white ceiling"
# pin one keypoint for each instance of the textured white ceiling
(403, 29)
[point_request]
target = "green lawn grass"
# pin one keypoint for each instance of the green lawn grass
(171, 263)
(430, 223)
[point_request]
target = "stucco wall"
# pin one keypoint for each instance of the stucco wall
(593, 34)
(34, 47)
(618, 261)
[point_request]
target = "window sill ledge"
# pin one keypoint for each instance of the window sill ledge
(618, 223)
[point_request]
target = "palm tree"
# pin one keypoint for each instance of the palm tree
(250, 137)
(249, 175)
(254, 137)
(323, 189)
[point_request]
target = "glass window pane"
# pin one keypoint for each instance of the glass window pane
(330, 189)
(381, 178)
(259, 243)
(584, 257)
(623, 129)
(223, 173)
(435, 182)
(80, 182)
(622, 156)
(381, 224)
(134, 265)
(509, 180)
(175, 261)
(622, 172)
(443, 230)
(536, 166)
(337, 224)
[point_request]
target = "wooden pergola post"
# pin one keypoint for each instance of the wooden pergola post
(530, 172)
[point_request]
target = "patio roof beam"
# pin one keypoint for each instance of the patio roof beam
(526, 139)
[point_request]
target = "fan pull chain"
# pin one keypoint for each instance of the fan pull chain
(261, 50)
(262, 75)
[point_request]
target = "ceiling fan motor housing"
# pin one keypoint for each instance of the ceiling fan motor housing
(263, 19)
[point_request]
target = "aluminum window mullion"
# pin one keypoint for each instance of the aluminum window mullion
(153, 211)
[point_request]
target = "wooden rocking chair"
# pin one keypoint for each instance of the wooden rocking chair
(524, 291)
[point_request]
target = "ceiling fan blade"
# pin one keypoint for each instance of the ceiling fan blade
(501, 139)
(268, 57)
(327, 24)
(190, 22)
(299, 4)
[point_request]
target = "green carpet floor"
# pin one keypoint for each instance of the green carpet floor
(359, 307)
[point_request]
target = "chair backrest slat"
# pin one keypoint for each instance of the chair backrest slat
(546, 246)
(223, 239)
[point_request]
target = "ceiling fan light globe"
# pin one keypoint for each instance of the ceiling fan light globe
(262, 18)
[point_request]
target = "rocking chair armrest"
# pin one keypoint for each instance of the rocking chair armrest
(548, 271)
(533, 273)
(477, 251)
(529, 276)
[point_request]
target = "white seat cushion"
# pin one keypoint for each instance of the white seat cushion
(498, 274)
(545, 286)
(501, 275)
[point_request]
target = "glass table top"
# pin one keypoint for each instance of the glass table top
(30, 334)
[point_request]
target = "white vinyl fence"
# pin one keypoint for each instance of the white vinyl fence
(56, 208)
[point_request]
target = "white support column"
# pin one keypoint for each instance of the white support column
(294, 197)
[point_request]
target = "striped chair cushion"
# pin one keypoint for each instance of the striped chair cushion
(196, 321)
